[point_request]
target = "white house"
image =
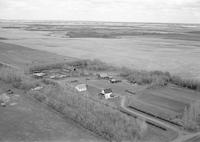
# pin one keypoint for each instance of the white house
(81, 87)
(107, 93)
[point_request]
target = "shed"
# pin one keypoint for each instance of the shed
(4, 98)
(39, 75)
(103, 75)
(81, 87)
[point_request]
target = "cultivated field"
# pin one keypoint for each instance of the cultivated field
(168, 103)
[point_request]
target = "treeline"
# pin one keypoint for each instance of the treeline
(152, 78)
(17, 78)
(186, 83)
(158, 78)
(104, 121)
(95, 65)
(40, 68)
(145, 77)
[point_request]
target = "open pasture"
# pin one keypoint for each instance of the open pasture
(23, 57)
(169, 52)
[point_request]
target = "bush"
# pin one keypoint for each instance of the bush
(186, 83)
(40, 68)
(39, 96)
(95, 65)
(10, 75)
(28, 83)
(143, 77)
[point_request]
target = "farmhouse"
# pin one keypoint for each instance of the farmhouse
(107, 93)
(81, 87)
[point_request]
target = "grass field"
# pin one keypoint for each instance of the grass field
(172, 53)
(23, 57)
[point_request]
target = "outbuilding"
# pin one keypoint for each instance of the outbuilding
(39, 75)
(81, 87)
(103, 76)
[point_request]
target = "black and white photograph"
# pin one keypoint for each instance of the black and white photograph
(99, 70)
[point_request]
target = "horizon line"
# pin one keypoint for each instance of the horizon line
(102, 21)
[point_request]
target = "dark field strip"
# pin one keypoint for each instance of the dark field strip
(148, 122)
(153, 115)
(163, 102)
(154, 109)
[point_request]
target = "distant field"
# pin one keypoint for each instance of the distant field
(25, 57)
(167, 47)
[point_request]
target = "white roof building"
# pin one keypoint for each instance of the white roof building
(107, 93)
(41, 74)
(81, 87)
(103, 75)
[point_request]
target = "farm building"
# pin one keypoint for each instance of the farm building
(107, 93)
(39, 75)
(103, 76)
(4, 98)
(115, 80)
(81, 87)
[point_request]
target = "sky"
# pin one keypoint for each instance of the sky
(166, 11)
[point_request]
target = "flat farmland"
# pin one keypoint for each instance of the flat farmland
(170, 53)
(178, 93)
(23, 57)
(167, 102)
(152, 109)
(163, 102)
